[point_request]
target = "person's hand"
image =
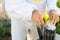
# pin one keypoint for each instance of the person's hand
(53, 16)
(37, 17)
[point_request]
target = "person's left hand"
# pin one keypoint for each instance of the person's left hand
(53, 16)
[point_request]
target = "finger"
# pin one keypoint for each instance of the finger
(56, 20)
(41, 19)
(51, 18)
(42, 22)
(36, 19)
(50, 14)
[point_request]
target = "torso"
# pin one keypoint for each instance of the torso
(40, 4)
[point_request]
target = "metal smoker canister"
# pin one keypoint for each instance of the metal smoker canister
(40, 32)
(47, 31)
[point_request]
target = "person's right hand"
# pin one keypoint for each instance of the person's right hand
(37, 17)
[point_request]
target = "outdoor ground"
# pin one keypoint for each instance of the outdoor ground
(5, 38)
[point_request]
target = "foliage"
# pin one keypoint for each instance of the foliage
(58, 27)
(5, 27)
(58, 3)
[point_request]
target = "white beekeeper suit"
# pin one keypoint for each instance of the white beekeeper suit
(21, 12)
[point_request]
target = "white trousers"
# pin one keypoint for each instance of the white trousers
(19, 29)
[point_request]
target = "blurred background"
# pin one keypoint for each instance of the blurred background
(5, 22)
(5, 25)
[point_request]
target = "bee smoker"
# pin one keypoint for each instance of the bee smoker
(47, 31)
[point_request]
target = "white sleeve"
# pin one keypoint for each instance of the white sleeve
(19, 9)
(52, 4)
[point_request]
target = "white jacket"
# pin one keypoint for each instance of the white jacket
(21, 12)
